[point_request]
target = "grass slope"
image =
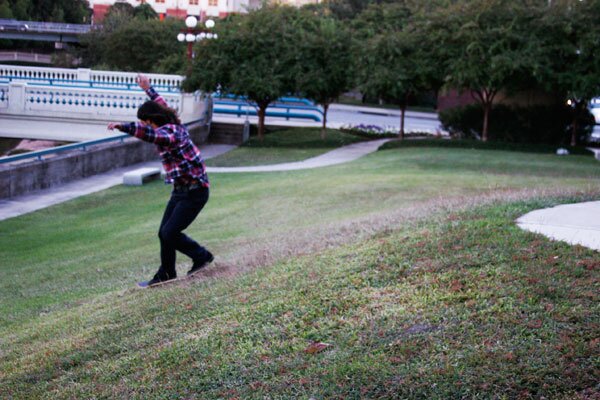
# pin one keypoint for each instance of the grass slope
(286, 145)
(440, 303)
(465, 305)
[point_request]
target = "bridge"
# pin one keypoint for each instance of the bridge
(76, 104)
(25, 57)
(42, 31)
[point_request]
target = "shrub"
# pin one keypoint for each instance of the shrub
(537, 124)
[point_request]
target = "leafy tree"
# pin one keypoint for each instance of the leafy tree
(488, 47)
(254, 56)
(5, 10)
(133, 39)
(119, 14)
(145, 11)
(138, 45)
(570, 54)
(324, 62)
(70, 11)
(393, 58)
(21, 9)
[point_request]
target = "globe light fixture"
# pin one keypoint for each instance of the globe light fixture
(191, 22)
(191, 34)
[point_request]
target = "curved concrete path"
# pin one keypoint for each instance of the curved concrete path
(338, 156)
(572, 223)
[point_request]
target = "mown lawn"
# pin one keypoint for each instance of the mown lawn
(400, 275)
(285, 145)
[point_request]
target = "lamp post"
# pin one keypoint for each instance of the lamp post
(193, 34)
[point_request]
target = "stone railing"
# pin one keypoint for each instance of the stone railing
(47, 99)
(84, 76)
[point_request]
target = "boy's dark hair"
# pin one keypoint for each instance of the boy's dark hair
(158, 114)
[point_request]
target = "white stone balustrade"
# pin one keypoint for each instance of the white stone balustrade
(75, 77)
(73, 105)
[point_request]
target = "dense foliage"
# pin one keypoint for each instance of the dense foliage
(133, 39)
(71, 11)
(534, 124)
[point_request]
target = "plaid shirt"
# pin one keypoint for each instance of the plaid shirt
(181, 159)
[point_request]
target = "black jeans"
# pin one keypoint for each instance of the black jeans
(182, 209)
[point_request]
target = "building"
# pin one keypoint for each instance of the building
(182, 8)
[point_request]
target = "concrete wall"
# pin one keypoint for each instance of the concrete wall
(226, 133)
(31, 175)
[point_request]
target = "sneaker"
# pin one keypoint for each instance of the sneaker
(155, 281)
(199, 265)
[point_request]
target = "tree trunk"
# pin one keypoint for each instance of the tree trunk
(324, 127)
(574, 131)
(262, 110)
(402, 114)
(486, 117)
(486, 98)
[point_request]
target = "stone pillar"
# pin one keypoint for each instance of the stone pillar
(16, 97)
(84, 74)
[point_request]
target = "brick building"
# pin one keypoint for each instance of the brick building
(182, 8)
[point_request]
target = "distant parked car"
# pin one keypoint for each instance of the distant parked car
(595, 108)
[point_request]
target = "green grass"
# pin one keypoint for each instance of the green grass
(288, 145)
(406, 262)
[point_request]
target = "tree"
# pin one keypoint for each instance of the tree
(5, 10)
(254, 57)
(145, 11)
(570, 55)
(324, 62)
(21, 9)
(140, 44)
(488, 47)
(70, 11)
(393, 58)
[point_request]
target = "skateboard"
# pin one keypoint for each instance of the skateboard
(146, 284)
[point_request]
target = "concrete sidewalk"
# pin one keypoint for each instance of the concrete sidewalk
(45, 198)
(572, 223)
(337, 156)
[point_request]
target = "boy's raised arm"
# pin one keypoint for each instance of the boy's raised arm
(144, 83)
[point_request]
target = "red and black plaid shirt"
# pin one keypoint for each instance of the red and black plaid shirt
(181, 159)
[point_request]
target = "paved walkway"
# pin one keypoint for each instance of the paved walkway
(572, 223)
(337, 156)
(45, 198)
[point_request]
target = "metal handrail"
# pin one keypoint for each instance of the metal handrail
(285, 99)
(287, 114)
(272, 105)
(73, 146)
(13, 24)
(40, 153)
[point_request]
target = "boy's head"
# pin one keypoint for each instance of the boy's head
(157, 114)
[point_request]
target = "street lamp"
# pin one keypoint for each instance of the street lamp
(193, 34)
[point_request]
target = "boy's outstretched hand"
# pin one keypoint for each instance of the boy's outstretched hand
(114, 125)
(143, 81)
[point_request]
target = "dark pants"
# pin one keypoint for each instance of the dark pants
(182, 209)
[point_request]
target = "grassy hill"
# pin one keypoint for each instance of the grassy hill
(400, 275)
